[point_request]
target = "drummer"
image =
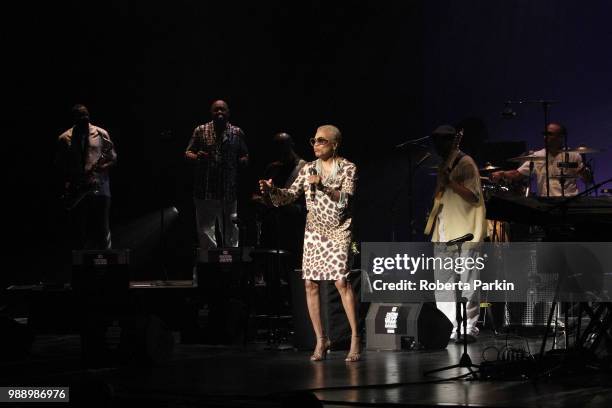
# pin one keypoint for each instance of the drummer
(555, 134)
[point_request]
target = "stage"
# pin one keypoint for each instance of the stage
(251, 376)
(152, 260)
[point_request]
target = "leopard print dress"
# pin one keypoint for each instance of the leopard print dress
(327, 237)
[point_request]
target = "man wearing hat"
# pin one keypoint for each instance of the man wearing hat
(462, 212)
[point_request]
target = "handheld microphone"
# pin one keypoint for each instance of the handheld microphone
(313, 188)
(464, 238)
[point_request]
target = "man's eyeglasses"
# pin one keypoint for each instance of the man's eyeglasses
(321, 141)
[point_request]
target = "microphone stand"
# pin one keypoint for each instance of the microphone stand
(412, 145)
(590, 172)
(413, 142)
(163, 136)
(527, 190)
(460, 307)
(565, 162)
(545, 110)
(545, 105)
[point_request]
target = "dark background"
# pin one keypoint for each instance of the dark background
(382, 73)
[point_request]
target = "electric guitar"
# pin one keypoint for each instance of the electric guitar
(437, 205)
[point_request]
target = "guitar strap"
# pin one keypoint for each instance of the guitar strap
(457, 159)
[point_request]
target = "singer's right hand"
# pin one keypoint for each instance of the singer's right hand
(202, 155)
(265, 186)
(314, 179)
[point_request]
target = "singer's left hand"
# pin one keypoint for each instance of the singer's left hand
(314, 179)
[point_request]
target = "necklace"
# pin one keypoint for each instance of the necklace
(331, 175)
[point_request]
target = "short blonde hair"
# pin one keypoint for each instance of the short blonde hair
(331, 131)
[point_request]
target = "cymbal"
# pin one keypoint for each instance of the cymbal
(489, 167)
(584, 150)
(527, 158)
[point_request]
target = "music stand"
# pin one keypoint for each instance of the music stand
(460, 306)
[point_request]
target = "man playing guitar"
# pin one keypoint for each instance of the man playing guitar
(460, 210)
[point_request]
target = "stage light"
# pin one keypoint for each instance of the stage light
(143, 232)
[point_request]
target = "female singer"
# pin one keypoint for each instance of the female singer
(329, 186)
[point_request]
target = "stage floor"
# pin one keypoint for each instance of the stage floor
(202, 375)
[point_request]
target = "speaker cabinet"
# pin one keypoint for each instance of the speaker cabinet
(406, 326)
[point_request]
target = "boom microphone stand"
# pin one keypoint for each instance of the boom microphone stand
(413, 146)
(164, 136)
(461, 305)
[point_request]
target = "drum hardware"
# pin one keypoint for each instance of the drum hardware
(567, 165)
(489, 167)
(583, 150)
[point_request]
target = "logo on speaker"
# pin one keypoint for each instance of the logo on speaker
(100, 260)
(391, 320)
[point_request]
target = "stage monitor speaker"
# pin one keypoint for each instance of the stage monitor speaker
(221, 278)
(222, 271)
(101, 271)
(224, 255)
(406, 326)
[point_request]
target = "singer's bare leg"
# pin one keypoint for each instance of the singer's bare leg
(348, 301)
(314, 310)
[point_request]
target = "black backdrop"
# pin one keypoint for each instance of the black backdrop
(148, 72)
(382, 72)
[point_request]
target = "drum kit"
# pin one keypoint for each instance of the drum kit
(489, 167)
(489, 187)
(504, 187)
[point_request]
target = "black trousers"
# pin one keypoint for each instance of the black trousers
(91, 223)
